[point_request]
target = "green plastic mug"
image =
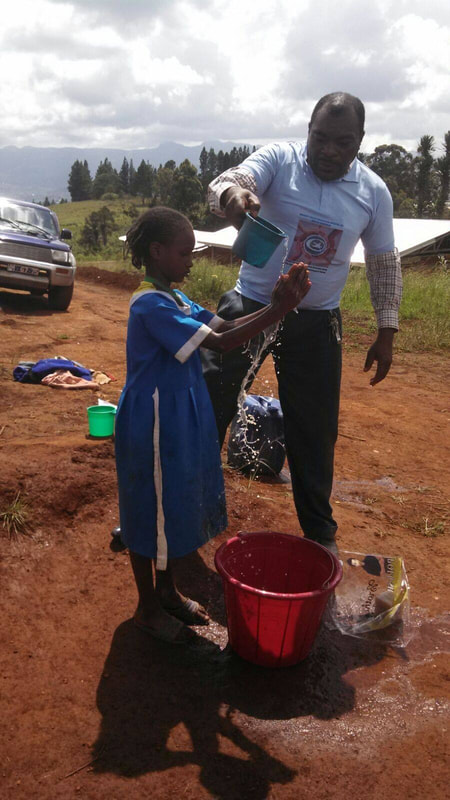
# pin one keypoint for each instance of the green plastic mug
(101, 420)
(257, 240)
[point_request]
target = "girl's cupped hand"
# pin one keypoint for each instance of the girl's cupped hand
(290, 289)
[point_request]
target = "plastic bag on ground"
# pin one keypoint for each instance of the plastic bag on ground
(372, 600)
(256, 439)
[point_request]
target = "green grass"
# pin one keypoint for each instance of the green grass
(424, 317)
(14, 518)
(209, 280)
(73, 216)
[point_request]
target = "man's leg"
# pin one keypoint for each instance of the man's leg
(308, 365)
(224, 373)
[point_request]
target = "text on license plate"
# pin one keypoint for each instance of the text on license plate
(23, 269)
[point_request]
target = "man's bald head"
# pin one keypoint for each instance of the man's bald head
(339, 103)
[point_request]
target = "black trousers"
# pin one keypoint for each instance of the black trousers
(307, 357)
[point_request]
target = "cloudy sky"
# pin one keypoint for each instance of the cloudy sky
(133, 73)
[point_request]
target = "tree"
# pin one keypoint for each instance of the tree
(187, 190)
(132, 177)
(144, 180)
(443, 172)
(96, 229)
(203, 163)
(163, 184)
(213, 171)
(106, 180)
(124, 176)
(80, 181)
(396, 167)
(424, 176)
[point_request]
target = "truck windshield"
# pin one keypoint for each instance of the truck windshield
(38, 218)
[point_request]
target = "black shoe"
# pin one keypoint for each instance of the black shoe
(116, 544)
(329, 543)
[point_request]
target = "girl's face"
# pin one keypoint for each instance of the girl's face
(175, 259)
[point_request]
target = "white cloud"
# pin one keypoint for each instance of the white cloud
(127, 73)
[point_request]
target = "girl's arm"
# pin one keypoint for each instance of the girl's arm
(289, 290)
(229, 324)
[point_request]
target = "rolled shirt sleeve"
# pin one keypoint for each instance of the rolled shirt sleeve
(385, 280)
(236, 176)
(383, 266)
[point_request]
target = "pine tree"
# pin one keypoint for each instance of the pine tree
(124, 176)
(132, 178)
(80, 181)
(203, 172)
(443, 172)
(144, 180)
(163, 184)
(187, 190)
(424, 176)
(106, 180)
(212, 168)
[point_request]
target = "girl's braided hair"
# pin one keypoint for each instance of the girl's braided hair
(159, 224)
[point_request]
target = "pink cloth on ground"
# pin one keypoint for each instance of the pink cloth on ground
(65, 380)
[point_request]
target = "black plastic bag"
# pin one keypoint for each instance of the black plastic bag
(256, 440)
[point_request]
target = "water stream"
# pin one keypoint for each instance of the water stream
(256, 349)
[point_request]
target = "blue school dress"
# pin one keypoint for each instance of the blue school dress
(171, 492)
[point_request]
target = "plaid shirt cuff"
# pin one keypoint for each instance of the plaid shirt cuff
(236, 176)
(385, 280)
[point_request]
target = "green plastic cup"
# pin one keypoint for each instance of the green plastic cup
(257, 240)
(101, 420)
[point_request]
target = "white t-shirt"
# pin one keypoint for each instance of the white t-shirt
(323, 221)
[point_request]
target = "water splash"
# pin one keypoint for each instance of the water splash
(257, 349)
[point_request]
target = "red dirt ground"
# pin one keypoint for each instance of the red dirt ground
(92, 708)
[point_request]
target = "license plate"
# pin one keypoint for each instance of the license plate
(22, 269)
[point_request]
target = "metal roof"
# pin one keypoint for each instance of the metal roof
(411, 236)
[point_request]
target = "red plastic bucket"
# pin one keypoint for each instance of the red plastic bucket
(276, 589)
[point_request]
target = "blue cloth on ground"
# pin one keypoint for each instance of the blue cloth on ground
(43, 367)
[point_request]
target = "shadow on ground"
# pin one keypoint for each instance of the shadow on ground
(148, 688)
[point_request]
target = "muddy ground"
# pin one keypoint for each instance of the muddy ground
(92, 708)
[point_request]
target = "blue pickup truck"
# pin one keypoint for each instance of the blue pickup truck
(33, 255)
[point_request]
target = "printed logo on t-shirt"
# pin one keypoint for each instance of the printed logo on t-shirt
(315, 243)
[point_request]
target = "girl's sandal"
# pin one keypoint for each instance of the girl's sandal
(177, 634)
(190, 612)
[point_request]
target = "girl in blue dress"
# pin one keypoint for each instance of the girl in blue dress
(171, 493)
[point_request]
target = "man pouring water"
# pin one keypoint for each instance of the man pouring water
(325, 200)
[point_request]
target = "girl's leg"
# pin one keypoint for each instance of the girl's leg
(150, 614)
(171, 599)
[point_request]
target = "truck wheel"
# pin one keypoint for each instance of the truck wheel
(59, 297)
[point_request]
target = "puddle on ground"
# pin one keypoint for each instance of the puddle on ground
(354, 492)
(431, 636)
(346, 489)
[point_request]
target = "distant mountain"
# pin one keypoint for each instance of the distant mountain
(32, 173)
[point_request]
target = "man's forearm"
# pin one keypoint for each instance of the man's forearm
(385, 281)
